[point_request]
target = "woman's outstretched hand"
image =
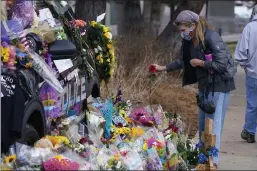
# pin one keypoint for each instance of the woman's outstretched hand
(159, 68)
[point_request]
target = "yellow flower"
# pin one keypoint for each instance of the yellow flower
(53, 140)
(116, 156)
(101, 61)
(5, 53)
(111, 51)
(123, 113)
(28, 65)
(64, 139)
(93, 23)
(106, 29)
(107, 35)
(136, 132)
(98, 57)
(59, 157)
(109, 46)
(112, 57)
(10, 159)
(48, 102)
(145, 147)
(5, 59)
(111, 72)
(127, 130)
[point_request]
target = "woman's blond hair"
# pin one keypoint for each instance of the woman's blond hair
(199, 30)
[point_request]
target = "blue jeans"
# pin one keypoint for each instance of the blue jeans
(251, 106)
(221, 101)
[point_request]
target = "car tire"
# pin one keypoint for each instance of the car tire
(95, 88)
(29, 136)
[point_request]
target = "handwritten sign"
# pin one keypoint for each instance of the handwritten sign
(63, 64)
(46, 15)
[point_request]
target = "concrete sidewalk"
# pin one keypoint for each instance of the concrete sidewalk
(231, 38)
(237, 154)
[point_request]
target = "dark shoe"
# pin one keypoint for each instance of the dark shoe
(251, 138)
(244, 135)
(215, 166)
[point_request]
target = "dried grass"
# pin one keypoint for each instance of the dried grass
(134, 56)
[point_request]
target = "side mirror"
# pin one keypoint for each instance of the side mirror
(62, 49)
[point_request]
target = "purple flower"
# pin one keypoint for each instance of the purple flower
(213, 152)
(199, 145)
(4, 44)
(55, 113)
(202, 158)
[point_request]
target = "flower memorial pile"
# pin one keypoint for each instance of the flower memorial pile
(115, 140)
(112, 134)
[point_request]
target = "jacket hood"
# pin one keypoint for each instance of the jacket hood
(254, 18)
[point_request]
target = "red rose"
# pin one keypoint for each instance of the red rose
(83, 140)
(119, 125)
(152, 69)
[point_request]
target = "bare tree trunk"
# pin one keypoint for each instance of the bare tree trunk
(88, 10)
(147, 12)
(155, 17)
(168, 36)
(131, 19)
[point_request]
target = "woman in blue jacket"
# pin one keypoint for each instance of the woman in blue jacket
(214, 76)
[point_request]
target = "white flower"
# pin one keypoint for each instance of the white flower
(129, 103)
(59, 37)
(99, 48)
(65, 122)
(110, 34)
(96, 50)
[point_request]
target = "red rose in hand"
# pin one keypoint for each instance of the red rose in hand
(152, 69)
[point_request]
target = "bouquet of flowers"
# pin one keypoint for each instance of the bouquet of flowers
(109, 159)
(141, 116)
(13, 56)
(8, 162)
(59, 162)
(100, 39)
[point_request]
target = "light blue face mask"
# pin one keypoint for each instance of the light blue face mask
(188, 34)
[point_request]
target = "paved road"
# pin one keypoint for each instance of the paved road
(236, 154)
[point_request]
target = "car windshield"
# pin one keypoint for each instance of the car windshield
(59, 6)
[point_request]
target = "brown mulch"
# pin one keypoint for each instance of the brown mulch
(178, 100)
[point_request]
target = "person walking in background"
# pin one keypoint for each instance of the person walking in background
(246, 56)
(206, 60)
